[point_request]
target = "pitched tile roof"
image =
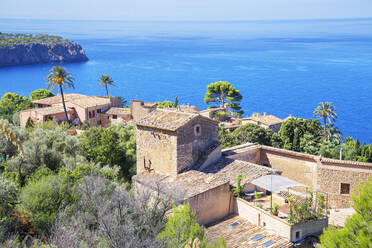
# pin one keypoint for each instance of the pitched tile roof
(118, 111)
(168, 119)
(77, 99)
(243, 233)
(194, 182)
(51, 110)
(265, 119)
(57, 99)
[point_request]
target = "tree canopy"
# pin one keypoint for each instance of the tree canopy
(248, 133)
(223, 92)
(12, 103)
(40, 94)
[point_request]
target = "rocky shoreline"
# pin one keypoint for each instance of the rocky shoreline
(39, 53)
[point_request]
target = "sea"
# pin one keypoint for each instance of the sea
(280, 67)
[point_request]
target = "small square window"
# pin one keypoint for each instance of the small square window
(345, 188)
(298, 234)
(114, 117)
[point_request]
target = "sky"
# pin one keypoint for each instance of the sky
(183, 10)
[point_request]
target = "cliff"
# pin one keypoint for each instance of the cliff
(19, 49)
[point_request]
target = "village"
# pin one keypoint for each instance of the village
(252, 195)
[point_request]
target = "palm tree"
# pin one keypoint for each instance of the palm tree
(59, 76)
(334, 134)
(105, 80)
(326, 111)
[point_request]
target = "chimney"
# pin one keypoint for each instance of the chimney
(264, 114)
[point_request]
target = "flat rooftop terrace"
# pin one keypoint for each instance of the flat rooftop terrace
(238, 232)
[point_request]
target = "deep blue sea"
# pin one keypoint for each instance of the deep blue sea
(280, 67)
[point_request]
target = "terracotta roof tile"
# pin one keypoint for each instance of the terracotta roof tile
(118, 111)
(265, 119)
(167, 119)
(73, 98)
(51, 110)
(194, 182)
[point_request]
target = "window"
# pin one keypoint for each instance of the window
(93, 113)
(98, 110)
(90, 114)
(114, 117)
(197, 130)
(298, 234)
(345, 188)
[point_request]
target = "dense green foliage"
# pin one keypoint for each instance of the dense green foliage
(12, 103)
(168, 104)
(222, 92)
(12, 40)
(300, 134)
(115, 145)
(41, 200)
(182, 229)
(249, 133)
(165, 104)
(40, 94)
(358, 228)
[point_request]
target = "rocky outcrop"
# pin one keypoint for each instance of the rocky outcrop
(37, 53)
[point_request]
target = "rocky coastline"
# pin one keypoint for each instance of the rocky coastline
(40, 53)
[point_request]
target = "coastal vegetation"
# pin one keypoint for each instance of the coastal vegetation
(168, 104)
(358, 228)
(10, 40)
(222, 92)
(106, 81)
(326, 111)
(60, 77)
(58, 190)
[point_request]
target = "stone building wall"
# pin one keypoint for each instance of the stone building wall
(138, 109)
(252, 156)
(212, 205)
(300, 169)
(330, 179)
(190, 144)
(156, 149)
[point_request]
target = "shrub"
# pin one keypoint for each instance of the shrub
(42, 200)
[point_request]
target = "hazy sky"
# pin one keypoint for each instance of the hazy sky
(185, 9)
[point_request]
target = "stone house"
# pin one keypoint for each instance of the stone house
(180, 153)
(96, 110)
(338, 179)
(266, 121)
(170, 141)
(80, 108)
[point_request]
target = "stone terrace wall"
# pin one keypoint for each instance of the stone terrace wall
(190, 145)
(157, 148)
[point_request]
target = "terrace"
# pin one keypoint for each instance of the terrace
(282, 205)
